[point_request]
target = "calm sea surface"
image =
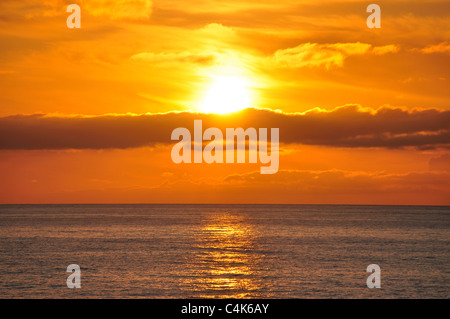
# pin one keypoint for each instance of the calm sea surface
(224, 251)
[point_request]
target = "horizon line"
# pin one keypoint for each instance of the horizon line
(302, 204)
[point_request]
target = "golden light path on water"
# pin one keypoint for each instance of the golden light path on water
(224, 263)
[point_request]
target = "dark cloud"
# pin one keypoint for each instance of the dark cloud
(347, 126)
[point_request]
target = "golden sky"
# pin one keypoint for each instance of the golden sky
(86, 114)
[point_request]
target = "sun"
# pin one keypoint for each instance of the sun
(226, 94)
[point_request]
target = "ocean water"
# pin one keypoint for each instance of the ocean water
(224, 251)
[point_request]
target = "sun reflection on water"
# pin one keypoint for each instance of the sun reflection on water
(224, 263)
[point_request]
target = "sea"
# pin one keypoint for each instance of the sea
(224, 251)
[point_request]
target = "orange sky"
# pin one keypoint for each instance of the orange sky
(86, 114)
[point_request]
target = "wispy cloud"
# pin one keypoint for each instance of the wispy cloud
(113, 9)
(170, 58)
(328, 55)
(443, 47)
(119, 9)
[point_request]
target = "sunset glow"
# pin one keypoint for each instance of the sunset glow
(86, 114)
(226, 94)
